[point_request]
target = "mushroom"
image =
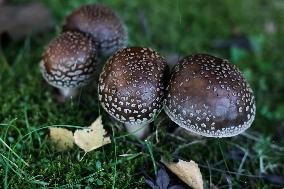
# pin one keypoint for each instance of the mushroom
(102, 23)
(69, 62)
(131, 87)
(209, 96)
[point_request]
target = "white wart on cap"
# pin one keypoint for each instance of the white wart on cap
(69, 62)
(102, 23)
(132, 84)
(209, 96)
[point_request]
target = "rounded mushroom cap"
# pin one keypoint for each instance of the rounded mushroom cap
(132, 84)
(209, 96)
(69, 60)
(102, 23)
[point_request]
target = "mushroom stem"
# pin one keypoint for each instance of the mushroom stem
(68, 92)
(140, 131)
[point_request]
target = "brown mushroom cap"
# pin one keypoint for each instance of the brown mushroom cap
(132, 84)
(102, 23)
(209, 96)
(69, 60)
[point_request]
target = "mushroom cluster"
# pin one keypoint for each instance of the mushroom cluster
(206, 95)
(70, 60)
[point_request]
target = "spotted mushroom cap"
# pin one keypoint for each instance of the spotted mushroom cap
(102, 23)
(69, 60)
(132, 84)
(209, 96)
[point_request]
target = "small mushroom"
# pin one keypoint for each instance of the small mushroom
(102, 23)
(69, 62)
(131, 87)
(209, 96)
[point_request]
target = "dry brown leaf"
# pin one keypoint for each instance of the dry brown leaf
(188, 172)
(62, 138)
(22, 20)
(92, 137)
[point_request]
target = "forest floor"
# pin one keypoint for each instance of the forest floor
(249, 33)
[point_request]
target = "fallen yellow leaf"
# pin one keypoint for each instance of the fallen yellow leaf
(188, 172)
(62, 138)
(92, 137)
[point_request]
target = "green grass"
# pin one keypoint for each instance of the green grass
(27, 106)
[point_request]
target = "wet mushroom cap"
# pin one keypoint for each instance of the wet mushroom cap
(132, 84)
(69, 60)
(102, 23)
(209, 96)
